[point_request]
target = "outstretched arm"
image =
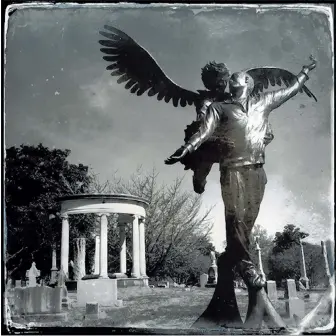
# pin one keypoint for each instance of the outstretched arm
(202, 108)
(207, 127)
(274, 99)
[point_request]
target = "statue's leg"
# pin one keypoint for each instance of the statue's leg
(260, 307)
(222, 310)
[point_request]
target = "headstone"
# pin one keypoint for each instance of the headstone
(271, 290)
(290, 289)
(92, 311)
(32, 274)
(163, 285)
(18, 284)
(203, 280)
(38, 302)
(294, 305)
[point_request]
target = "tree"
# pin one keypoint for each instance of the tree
(177, 235)
(34, 177)
(285, 260)
(290, 236)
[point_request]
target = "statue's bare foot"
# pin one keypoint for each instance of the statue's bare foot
(199, 186)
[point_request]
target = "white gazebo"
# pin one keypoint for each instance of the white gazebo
(131, 210)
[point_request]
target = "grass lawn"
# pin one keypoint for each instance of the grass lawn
(158, 308)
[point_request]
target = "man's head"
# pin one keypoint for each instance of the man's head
(215, 76)
(241, 84)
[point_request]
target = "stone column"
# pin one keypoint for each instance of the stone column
(53, 271)
(103, 247)
(142, 247)
(326, 263)
(97, 254)
(135, 252)
(79, 258)
(260, 266)
(65, 245)
(304, 279)
(123, 269)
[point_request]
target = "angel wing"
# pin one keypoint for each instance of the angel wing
(138, 68)
(275, 76)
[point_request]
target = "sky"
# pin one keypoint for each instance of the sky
(58, 92)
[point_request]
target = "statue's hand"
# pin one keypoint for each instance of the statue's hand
(311, 66)
(177, 156)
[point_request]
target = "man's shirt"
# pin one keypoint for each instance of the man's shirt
(243, 129)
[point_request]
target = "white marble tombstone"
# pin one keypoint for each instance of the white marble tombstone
(32, 274)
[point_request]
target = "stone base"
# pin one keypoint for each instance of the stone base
(41, 318)
(120, 276)
(145, 280)
(101, 291)
(305, 282)
(210, 285)
(130, 282)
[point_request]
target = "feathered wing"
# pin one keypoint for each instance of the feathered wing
(275, 76)
(139, 70)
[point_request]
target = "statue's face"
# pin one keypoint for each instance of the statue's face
(216, 82)
(221, 83)
(240, 84)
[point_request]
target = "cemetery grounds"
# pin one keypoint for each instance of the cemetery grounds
(160, 308)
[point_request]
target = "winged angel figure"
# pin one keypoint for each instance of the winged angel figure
(135, 66)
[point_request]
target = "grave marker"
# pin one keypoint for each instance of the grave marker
(32, 274)
(271, 290)
(294, 305)
(203, 280)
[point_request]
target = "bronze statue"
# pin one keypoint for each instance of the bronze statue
(138, 69)
(241, 123)
(233, 130)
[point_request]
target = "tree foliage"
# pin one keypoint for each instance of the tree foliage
(34, 177)
(285, 260)
(177, 234)
(290, 236)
